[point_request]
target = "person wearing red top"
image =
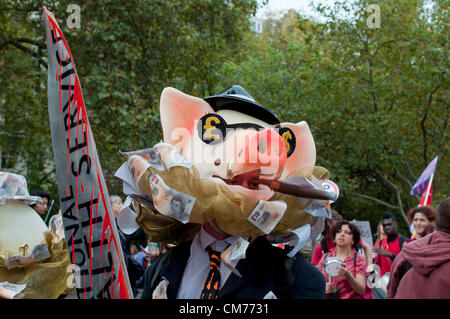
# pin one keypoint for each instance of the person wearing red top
(391, 245)
(351, 281)
(327, 241)
(380, 235)
(422, 218)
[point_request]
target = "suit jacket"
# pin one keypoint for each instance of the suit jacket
(263, 270)
(134, 269)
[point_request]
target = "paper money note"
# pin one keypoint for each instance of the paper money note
(126, 219)
(281, 238)
(317, 229)
(137, 166)
(170, 202)
(160, 291)
(302, 235)
(234, 253)
(266, 215)
(151, 155)
(270, 295)
(318, 209)
(6, 293)
(9, 290)
(295, 239)
(39, 252)
(171, 156)
(56, 226)
(161, 156)
(19, 261)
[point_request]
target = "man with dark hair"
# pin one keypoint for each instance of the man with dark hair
(38, 207)
(428, 260)
(391, 245)
(327, 241)
(443, 216)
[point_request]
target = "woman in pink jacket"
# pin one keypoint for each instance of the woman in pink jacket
(428, 260)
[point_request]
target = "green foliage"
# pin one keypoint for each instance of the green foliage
(376, 99)
(125, 53)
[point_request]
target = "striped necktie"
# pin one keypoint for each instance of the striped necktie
(212, 283)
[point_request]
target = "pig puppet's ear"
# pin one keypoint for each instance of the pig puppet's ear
(304, 155)
(178, 113)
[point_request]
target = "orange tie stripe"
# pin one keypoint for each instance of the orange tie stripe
(211, 286)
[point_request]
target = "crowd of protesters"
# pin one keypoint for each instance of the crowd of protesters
(392, 266)
(386, 261)
(413, 267)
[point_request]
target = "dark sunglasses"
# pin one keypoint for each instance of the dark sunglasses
(212, 129)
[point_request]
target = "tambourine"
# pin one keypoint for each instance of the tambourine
(331, 266)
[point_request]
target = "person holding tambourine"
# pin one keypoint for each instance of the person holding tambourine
(343, 267)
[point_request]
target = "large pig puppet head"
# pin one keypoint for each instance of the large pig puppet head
(237, 148)
(234, 141)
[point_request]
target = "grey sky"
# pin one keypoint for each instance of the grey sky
(302, 6)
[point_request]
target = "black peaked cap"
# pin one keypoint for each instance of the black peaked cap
(236, 98)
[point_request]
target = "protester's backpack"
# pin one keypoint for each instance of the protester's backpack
(324, 245)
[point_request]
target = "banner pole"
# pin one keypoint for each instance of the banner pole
(428, 188)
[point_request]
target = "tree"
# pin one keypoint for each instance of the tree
(388, 82)
(375, 99)
(125, 54)
(24, 141)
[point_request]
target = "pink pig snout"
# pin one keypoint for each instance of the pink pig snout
(264, 150)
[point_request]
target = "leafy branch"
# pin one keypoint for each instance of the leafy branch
(376, 200)
(425, 116)
(18, 44)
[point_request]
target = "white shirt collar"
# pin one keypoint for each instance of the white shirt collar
(218, 245)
